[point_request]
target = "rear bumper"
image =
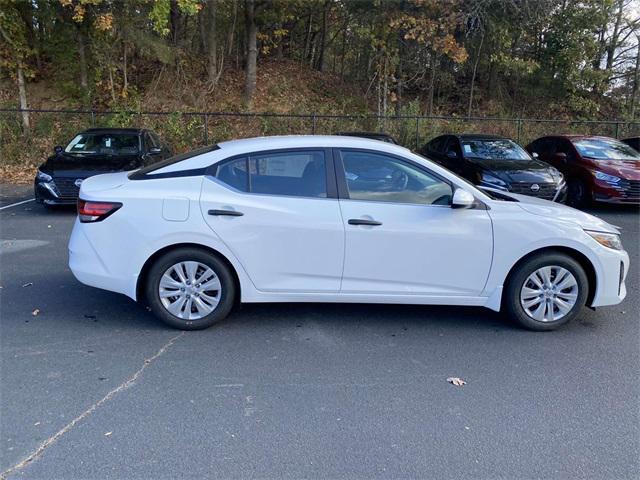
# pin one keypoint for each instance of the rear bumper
(89, 268)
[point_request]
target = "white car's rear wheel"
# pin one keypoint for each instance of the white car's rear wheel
(190, 289)
(546, 291)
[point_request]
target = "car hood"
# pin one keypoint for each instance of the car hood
(59, 164)
(517, 170)
(557, 211)
(627, 169)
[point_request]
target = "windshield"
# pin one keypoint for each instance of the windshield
(105, 144)
(498, 149)
(605, 149)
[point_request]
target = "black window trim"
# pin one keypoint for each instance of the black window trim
(343, 190)
(331, 187)
(146, 173)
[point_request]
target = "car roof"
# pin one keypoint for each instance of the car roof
(257, 144)
(576, 136)
(115, 130)
(246, 146)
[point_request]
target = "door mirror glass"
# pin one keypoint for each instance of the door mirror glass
(462, 199)
(535, 155)
(560, 156)
(452, 154)
(57, 149)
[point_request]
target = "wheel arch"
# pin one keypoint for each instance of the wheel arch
(140, 295)
(578, 256)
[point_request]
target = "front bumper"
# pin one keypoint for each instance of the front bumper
(610, 283)
(626, 192)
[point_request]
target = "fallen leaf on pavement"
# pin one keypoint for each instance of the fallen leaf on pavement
(27, 284)
(458, 382)
(108, 434)
(36, 424)
(35, 312)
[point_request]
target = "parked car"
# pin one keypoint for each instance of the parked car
(94, 151)
(383, 137)
(496, 162)
(335, 219)
(598, 169)
(633, 142)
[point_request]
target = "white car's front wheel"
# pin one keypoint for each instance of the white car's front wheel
(190, 289)
(546, 291)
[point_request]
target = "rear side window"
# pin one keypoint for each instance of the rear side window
(143, 172)
(437, 144)
(295, 174)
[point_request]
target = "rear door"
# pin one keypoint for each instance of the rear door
(278, 213)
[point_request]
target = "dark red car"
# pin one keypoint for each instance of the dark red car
(600, 169)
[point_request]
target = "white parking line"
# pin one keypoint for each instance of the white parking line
(18, 203)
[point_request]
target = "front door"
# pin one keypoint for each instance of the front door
(274, 212)
(402, 236)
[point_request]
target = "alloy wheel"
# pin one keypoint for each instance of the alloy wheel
(549, 293)
(190, 290)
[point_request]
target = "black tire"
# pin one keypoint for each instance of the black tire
(517, 278)
(227, 295)
(578, 194)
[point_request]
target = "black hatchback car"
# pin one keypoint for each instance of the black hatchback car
(95, 151)
(496, 162)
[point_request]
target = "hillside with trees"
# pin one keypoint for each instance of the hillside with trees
(565, 59)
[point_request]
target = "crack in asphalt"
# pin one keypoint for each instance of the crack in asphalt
(123, 386)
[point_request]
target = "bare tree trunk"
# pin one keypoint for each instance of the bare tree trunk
(432, 83)
(252, 52)
(212, 46)
(22, 93)
(613, 43)
(473, 75)
(232, 30)
(636, 81)
(125, 86)
(84, 82)
(323, 38)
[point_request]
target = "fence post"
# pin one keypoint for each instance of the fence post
(313, 123)
(206, 129)
(617, 129)
(519, 134)
(417, 132)
(93, 118)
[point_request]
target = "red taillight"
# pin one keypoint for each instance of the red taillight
(89, 211)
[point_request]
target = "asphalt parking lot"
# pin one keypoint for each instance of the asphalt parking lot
(94, 387)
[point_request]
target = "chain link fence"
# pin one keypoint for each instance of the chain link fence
(188, 130)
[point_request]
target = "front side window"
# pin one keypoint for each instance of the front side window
(296, 174)
(104, 144)
(381, 178)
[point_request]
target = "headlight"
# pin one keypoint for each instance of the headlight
(609, 240)
(43, 177)
(605, 177)
(491, 181)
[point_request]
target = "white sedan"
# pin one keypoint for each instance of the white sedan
(335, 219)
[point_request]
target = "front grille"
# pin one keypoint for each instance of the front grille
(66, 187)
(630, 189)
(547, 191)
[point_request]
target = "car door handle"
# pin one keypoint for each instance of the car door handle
(363, 221)
(229, 213)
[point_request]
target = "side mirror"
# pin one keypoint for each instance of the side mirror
(561, 157)
(57, 149)
(462, 199)
(535, 155)
(155, 150)
(452, 154)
